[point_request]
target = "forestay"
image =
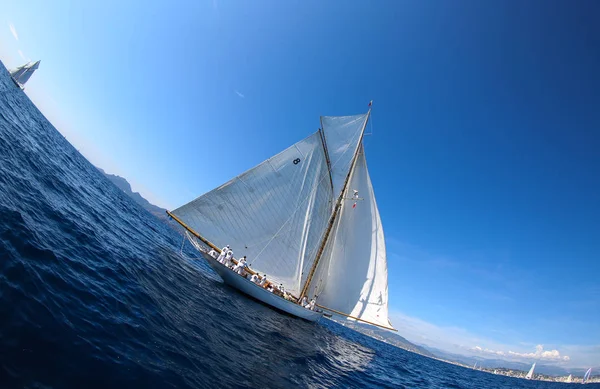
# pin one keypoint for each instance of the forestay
(275, 213)
(352, 274)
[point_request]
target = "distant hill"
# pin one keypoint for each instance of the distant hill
(397, 340)
(124, 185)
(385, 336)
(541, 368)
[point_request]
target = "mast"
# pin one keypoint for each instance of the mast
(336, 210)
(326, 153)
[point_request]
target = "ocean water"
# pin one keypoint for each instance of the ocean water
(94, 293)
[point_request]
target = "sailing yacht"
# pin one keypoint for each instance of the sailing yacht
(530, 374)
(22, 74)
(586, 376)
(307, 218)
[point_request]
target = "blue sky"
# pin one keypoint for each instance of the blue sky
(484, 153)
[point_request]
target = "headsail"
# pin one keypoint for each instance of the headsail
(352, 275)
(275, 213)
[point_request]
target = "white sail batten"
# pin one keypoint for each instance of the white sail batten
(352, 275)
(275, 213)
(342, 135)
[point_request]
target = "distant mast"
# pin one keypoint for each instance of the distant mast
(23, 73)
(530, 374)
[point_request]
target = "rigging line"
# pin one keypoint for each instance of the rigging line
(183, 243)
(304, 200)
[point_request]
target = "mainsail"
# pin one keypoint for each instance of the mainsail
(274, 213)
(22, 74)
(294, 220)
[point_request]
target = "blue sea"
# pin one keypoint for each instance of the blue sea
(95, 293)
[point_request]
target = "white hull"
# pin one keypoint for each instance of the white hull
(248, 287)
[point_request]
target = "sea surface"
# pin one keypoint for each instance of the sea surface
(95, 293)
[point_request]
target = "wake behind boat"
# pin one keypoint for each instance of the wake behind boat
(307, 220)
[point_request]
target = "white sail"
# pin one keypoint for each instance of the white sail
(586, 376)
(18, 72)
(275, 213)
(530, 374)
(342, 135)
(23, 73)
(30, 69)
(569, 378)
(352, 274)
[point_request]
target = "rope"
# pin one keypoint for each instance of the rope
(187, 234)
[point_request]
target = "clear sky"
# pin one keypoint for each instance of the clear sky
(484, 155)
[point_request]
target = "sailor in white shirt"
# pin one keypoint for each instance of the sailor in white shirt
(227, 259)
(304, 301)
(263, 281)
(224, 251)
(312, 303)
(212, 253)
(254, 278)
(241, 265)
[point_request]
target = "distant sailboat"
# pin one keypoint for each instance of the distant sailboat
(586, 376)
(530, 374)
(22, 74)
(569, 379)
(298, 217)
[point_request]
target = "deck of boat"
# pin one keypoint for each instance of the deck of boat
(259, 293)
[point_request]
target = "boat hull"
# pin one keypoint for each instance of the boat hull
(259, 293)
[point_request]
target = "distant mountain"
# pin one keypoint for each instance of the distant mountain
(386, 336)
(540, 368)
(124, 185)
(398, 341)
